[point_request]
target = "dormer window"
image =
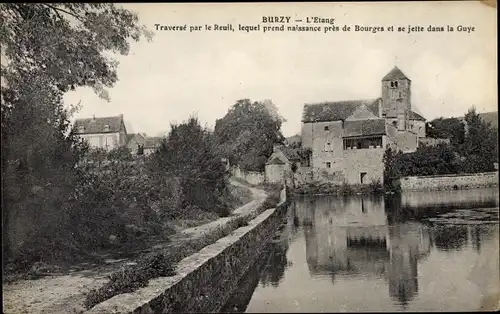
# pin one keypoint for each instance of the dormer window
(326, 128)
(106, 128)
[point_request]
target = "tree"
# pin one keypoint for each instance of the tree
(480, 147)
(189, 153)
(248, 132)
(451, 128)
(47, 50)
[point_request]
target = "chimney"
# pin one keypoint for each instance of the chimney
(93, 117)
(380, 109)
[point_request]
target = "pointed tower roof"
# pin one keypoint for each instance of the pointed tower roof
(395, 74)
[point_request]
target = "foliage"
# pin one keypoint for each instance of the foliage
(247, 133)
(128, 280)
(451, 128)
(190, 154)
(480, 147)
(48, 50)
(121, 153)
(476, 153)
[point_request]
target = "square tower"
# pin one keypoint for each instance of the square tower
(396, 94)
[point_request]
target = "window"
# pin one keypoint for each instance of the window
(326, 128)
(106, 128)
(394, 84)
(399, 94)
(363, 143)
(328, 147)
(362, 176)
(328, 164)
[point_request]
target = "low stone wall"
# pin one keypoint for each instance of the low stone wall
(205, 280)
(251, 177)
(449, 182)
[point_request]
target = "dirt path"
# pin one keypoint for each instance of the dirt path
(65, 293)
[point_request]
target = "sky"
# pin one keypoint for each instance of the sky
(179, 74)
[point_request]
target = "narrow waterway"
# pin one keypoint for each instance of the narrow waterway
(420, 251)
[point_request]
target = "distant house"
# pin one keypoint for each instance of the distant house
(102, 132)
(134, 141)
(151, 144)
(279, 164)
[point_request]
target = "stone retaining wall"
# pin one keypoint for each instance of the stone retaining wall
(449, 182)
(204, 280)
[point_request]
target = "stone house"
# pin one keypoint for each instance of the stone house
(134, 140)
(279, 166)
(148, 144)
(151, 144)
(103, 132)
(348, 139)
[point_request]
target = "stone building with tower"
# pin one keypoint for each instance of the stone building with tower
(347, 139)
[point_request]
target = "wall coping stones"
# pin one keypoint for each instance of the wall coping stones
(139, 300)
(453, 175)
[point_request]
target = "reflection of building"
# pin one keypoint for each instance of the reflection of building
(352, 237)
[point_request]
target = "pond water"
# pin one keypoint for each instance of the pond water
(419, 251)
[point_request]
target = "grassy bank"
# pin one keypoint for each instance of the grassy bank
(162, 263)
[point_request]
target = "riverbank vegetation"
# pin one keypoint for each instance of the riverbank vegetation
(344, 189)
(473, 148)
(63, 202)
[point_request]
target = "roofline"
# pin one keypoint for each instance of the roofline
(368, 135)
(104, 132)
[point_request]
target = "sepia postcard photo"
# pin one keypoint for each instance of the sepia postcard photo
(249, 157)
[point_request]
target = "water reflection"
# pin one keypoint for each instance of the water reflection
(354, 242)
(353, 238)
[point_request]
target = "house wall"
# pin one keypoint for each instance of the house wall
(112, 140)
(251, 177)
(418, 127)
(370, 161)
(316, 137)
(402, 140)
(276, 173)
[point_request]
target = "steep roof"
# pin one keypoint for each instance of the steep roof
(335, 111)
(97, 125)
(395, 74)
(364, 127)
(275, 161)
(413, 115)
(416, 116)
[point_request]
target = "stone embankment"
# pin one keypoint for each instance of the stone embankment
(449, 182)
(66, 293)
(206, 279)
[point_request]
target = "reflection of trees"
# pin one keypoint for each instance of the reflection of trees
(277, 262)
(450, 237)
